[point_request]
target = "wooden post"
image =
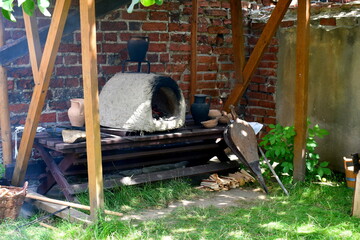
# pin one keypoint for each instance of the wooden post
(44, 72)
(92, 119)
(237, 38)
(4, 108)
(33, 39)
(254, 60)
(356, 199)
(301, 94)
(194, 30)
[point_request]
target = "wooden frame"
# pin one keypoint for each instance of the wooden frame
(42, 67)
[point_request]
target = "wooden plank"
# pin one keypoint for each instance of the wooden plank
(56, 172)
(35, 51)
(356, 199)
(163, 175)
(193, 67)
(237, 38)
(39, 94)
(301, 88)
(91, 103)
(255, 57)
(70, 214)
(4, 109)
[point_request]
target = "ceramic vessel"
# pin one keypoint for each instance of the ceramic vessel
(200, 108)
(137, 48)
(76, 112)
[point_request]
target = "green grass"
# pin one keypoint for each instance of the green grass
(312, 211)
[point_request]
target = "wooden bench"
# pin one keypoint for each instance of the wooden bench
(193, 144)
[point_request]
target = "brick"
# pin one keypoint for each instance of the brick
(157, 47)
(176, 67)
(328, 21)
(269, 120)
(206, 59)
(180, 47)
(159, 16)
(72, 82)
(59, 105)
(152, 26)
(164, 58)
(135, 15)
(223, 50)
(19, 108)
(214, 12)
(134, 26)
(210, 76)
(152, 57)
(164, 37)
(204, 49)
(266, 72)
(57, 83)
(271, 112)
(71, 59)
(267, 89)
(113, 47)
(179, 27)
(48, 117)
(10, 85)
(217, 30)
(22, 84)
(62, 117)
(113, 26)
(110, 37)
(227, 67)
(72, 71)
(184, 38)
(268, 64)
(72, 48)
(180, 58)
(266, 104)
(207, 67)
(110, 69)
(256, 111)
(157, 68)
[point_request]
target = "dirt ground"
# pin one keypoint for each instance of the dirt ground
(221, 199)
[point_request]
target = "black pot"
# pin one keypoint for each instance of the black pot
(137, 48)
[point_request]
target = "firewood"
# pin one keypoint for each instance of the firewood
(72, 136)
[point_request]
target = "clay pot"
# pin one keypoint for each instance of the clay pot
(200, 108)
(76, 112)
(137, 48)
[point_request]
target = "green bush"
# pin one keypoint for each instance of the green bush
(279, 147)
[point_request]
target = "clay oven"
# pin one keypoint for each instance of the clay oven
(142, 102)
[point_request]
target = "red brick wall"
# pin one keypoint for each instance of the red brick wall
(168, 28)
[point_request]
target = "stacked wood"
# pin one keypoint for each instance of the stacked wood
(224, 183)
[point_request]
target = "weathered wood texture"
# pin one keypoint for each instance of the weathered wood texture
(356, 200)
(237, 38)
(39, 94)
(4, 109)
(70, 214)
(255, 57)
(301, 88)
(169, 174)
(193, 67)
(91, 103)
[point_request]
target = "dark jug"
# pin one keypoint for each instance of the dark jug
(200, 108)
(137, 48)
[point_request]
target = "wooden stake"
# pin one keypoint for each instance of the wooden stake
(91, 103)
(194, 30)
(39, 94)
(301, 88)
(70, 204)
(237, 38)
(356, 200)
(35, 52)
(4, 109)
(254, 60)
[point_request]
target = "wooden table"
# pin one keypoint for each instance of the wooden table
(120, 151)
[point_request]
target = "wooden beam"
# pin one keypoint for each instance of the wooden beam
(193, 67)
(255, 57)
(4, 109)
(91, 103)
(356, 199)
(34, 45)
(301, 88)
(237, 38)
(39, 94)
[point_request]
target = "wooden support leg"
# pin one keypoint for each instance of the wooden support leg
(56, 172)
(49, 181)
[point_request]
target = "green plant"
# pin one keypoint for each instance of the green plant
(279, 146)
(29, 6)
(2, 170)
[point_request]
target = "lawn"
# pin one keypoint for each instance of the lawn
(312, 211)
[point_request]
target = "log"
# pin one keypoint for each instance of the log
(69, 204)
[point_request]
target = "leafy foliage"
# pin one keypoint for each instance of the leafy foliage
(29, 6)
(279, 146)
